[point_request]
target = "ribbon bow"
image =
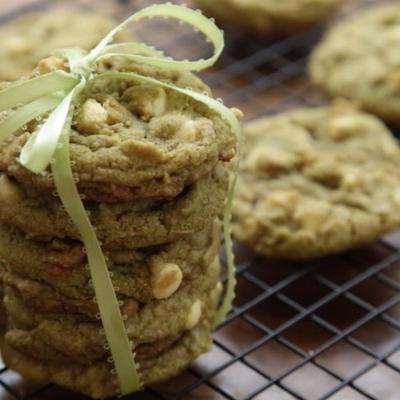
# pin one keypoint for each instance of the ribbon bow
(55, 92)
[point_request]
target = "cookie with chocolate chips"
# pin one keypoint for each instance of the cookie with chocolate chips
(358, 60)
(131, 141)
(128, 225)
(55, 335)
(145, 274)
(96, 380)
(315, 182)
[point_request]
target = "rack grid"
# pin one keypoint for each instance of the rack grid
(327, 329)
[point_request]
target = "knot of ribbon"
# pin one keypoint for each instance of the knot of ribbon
(53, 95)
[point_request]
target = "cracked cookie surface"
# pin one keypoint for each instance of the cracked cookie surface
(269, 16)
(315, 182)
(366, 67)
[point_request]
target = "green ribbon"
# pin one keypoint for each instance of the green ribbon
(55, 92)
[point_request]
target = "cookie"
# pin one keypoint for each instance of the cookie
(122, 225)
(269, 16)
(159, 282)
(96, 380)
(144, 274)
(36, 328)
(3, 315)
(315, 182)
(132, 141)
(366, 68)
(32, 36)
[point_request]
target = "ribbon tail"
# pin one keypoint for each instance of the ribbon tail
(194, 18)
(229, 117)
(25, 91)
(39, 150)
(27, 113)
(120, 348)
(133, 48)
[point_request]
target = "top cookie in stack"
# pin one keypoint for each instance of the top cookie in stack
(151, 167)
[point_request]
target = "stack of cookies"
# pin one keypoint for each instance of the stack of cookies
(152, 167)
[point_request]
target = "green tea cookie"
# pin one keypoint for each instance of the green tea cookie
(67, 336)
(96, 380)
(3, 315)
(131, 141)
(119, 226)
(269, 16)
(145, 274)
(358, 60)
(315, 182)
(30, 37)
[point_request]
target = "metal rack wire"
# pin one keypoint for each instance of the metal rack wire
(328, 329)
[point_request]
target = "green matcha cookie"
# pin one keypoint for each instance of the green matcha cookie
(118, 226)
(316, 181)
(66, 336)
(358, 60)
(145, 274)
(132, 141)
(29, 38)
(269, 16)
(96, 380)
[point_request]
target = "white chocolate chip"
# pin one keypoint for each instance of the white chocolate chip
(146, 101)
(91, 115)
(313, 217)
(285, 199)
(344, 127)
(187, 132)
(9, 191)
(352, 181)
(215, 295)
(51, 63)
(166, 279)
(18, 45)
(194, 315)
(396, 196)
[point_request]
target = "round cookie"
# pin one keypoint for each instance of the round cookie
(145, 274)
(316, 181)
(96, 379)
(269, 16)
(132, 141)
(119, 226)
(30, 37)
(67, 336)
(358, 60)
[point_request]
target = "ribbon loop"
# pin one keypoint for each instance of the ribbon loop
(193, 18)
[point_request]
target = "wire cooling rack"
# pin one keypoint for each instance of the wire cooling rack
(328, 329)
